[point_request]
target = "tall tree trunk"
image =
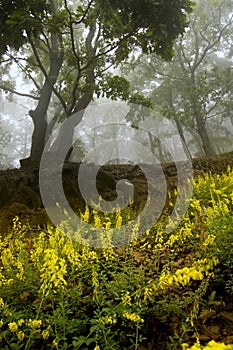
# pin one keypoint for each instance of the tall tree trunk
(39, 115)
(66, 133)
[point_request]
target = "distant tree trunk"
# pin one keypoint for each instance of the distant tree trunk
(154, 141)
(178, 125)
(196, 137)
(231, 119)
(197, 114)
(207, 147)
(184, 143)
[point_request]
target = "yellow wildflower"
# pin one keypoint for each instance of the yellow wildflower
(118, 219)
(20, 322)
(45, 334)
(34, 323)
(97, 220)
(86, 214)
(212, 345)
(1, 303)
(108, 320)
(13, 326)
(55, 343)
(20, 274)
(20, 335)
(149, 291)
(132, 317)
(126, 299)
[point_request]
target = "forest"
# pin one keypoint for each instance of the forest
(116, 174)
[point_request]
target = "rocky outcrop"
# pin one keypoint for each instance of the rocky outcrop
(20, 194)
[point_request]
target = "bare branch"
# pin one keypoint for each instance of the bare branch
(72, 34)
(210, 46)
(49, 77)
(8, 89)
(180, 60)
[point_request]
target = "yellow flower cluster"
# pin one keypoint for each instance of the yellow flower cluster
(181, 235)
(20, 335)
(4, 307)
(132, 317)
(118, 219)
(202, 267)
(34, 324)
(85, 217)
(20, 322)
(97, 219)
(14, 328)
(126, 299)
(20, 274)
(149, 291)
(212, 345)
(209, 240)
(53, 270)
(45, 334)
(107, 320)
(180, 277)
(2, 304)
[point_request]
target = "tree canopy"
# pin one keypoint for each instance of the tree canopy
(68, 50)
(17, 18)
(195, 88)
(152, 25)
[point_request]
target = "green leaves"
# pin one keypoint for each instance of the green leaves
(16, 17)
(154, 25)
(114, 87)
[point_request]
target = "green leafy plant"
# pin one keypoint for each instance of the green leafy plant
(59, 294)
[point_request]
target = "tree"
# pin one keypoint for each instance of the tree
(66, 50)
(197, 84)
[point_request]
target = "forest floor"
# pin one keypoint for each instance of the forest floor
(20, 196)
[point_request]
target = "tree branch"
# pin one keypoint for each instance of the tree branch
(5, 88)
(210, 46)
(72, 34)
(85, 13)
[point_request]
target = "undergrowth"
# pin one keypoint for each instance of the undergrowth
(58, 294)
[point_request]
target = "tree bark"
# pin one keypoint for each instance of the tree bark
(66, 133)
(198, 117)
(39, 115)
(184, 143)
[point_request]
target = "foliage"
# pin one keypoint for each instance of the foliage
(155, 23)
(211, 345)
(216, 194)
(70, 52)
(194, 89)
(18, 18)
(56, 293)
